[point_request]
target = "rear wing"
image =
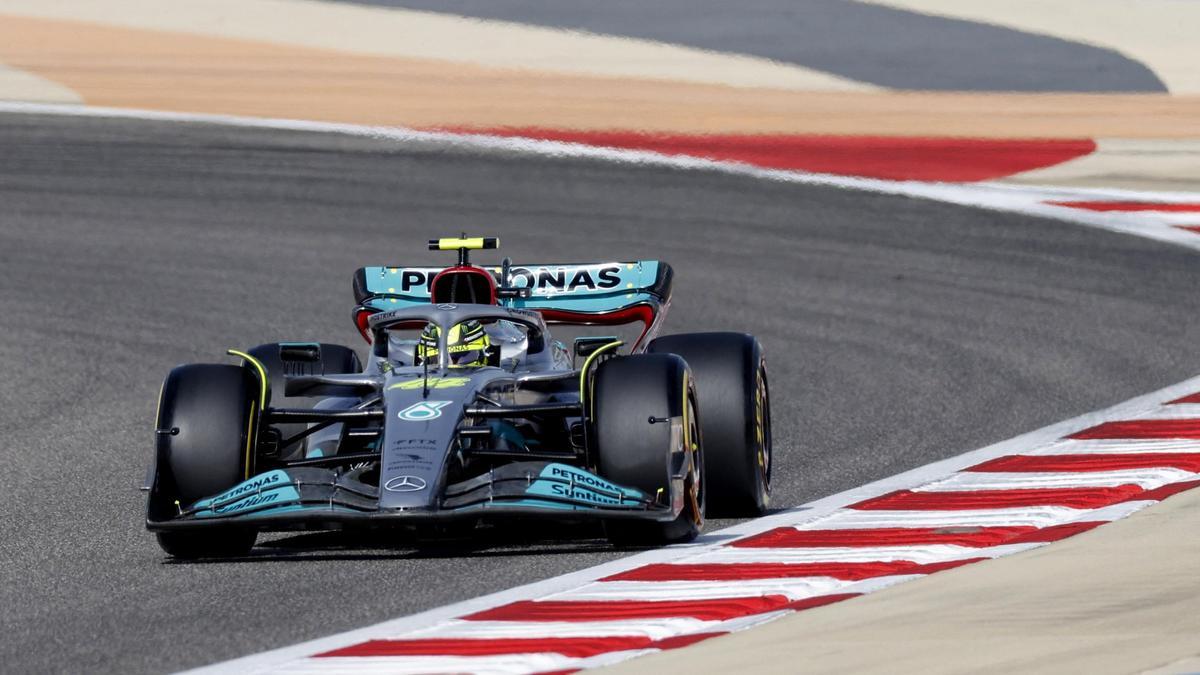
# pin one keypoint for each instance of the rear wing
(610, 293)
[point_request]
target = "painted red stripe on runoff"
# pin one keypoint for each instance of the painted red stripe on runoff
(790, 537)
(820, 601)
(679, 641)
(1131, 206)
(1142, 429)
(1057, 532)
(892, 158)
(716, 609)
(1192, 398)
(575, 647)
(1077, 498)
(581, 647)
(847, 571)
(1161, 493)
(1188, 461)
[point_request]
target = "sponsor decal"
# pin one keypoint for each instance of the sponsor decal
(255, 484)
(583, 494)
(423, 411)
(405, 484)
(248, 503)
(393, 467)
(580, 486)
(276, 494)
(417, 442)
(407, 461)
(446, 307)
(414, 279)
(543, 280)
(434, 383)
(400, 456)
(581, 477)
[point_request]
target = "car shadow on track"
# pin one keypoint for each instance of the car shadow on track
(389, 546)
(491, 542)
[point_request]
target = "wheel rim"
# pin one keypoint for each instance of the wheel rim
(695, 485)
(762, 432)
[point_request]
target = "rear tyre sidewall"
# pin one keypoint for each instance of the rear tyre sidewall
(631, 451)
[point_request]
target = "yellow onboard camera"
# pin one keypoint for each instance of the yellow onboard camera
(469, 243)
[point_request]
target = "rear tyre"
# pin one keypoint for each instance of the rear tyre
(634, 452)
(284, 359)
(210, 411)
(731, 383)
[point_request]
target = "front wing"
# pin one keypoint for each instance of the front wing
(313, 498)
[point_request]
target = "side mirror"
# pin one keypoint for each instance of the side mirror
(492, 355)
(506, 292)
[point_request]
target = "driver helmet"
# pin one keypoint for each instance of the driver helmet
(467, 344)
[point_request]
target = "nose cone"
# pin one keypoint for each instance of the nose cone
(418, 435)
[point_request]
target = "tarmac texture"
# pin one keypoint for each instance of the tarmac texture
(897, 331)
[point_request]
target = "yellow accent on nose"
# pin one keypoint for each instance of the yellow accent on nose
(433, 383)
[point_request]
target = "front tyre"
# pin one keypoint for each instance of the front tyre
(206, 422)
(633, 451)
(731, 380)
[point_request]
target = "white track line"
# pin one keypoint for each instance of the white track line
(653, 629)
(796, 589)
(848, 554)
(1173, 412)
(1076, 447)
(1029, 516)
(420, 665)
(1144, 478)
(917, 554)
(995, 196)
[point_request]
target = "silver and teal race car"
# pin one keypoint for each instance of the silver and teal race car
(468, 411)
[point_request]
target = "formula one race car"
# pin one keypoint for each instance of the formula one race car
(467, 411)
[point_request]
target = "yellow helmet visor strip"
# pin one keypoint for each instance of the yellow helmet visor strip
(475, 340)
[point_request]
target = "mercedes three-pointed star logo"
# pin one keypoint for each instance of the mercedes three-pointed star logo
(405, 484)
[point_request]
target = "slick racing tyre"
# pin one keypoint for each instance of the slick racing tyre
(283, 359)
(731, 383)
(209, 412)
(632, 450)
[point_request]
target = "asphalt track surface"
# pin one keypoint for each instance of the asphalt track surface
(898, 332)
(885, 46)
